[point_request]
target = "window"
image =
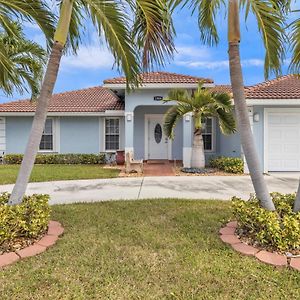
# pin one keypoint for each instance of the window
(47, 137)
(208, 134)
(112, 134)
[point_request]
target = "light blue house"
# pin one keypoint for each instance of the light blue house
(107, 118)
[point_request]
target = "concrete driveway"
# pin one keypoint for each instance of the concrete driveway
(202, 187)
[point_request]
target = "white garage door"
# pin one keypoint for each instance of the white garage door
(283, 138)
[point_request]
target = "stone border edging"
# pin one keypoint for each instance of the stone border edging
(55, 229)
(228, 236)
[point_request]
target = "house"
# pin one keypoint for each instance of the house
(108, 118)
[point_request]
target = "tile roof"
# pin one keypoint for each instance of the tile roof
(95, 99)
(161, 77)
(285, 87)
(222, 89)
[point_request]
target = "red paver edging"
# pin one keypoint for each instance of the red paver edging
(228, 236)
(55, 229)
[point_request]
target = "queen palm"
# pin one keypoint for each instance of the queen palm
(152, 35)
(26, 61)
(270, 21)
(201, 104)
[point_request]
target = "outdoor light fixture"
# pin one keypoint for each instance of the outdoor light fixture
(187, 118)
(256, 117)
(129, 117)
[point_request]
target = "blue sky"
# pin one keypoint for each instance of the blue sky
(94, 63)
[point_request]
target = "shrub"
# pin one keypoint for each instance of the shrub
(232, 165)
(91, 159)
(279, 230)
(28, 220)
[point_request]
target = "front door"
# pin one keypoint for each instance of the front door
(158, 143)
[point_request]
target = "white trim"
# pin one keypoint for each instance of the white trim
(266, 130)
(250, 114)
(55, 136)
(108, 113)
(187, 156)
(159, 86)
(2, 135)
(213, 136)
(146, 137)
(104, 135)
(274, 102)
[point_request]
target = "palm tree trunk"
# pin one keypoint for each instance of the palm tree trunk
(37, 125)
(198, 158)
(243, 122)
(40, 116)
(297, 200)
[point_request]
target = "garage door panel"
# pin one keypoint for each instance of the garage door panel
(283, 141)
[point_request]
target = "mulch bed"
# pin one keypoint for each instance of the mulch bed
(229, 235)
(22, 248)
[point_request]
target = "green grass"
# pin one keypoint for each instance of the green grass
(160, 249)
(8, 173)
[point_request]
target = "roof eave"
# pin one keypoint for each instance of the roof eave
(275, 102)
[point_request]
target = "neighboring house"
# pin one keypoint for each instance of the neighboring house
(107, 118)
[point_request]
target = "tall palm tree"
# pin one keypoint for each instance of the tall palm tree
(202, 104)
(152, 35)
(270, 21)
(295, 67)
(26, 61)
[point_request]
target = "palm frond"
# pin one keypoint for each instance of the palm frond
(153, 31)
(295, 44)
(170, 120)
(21, 63)
(178, 95)
(270, 20)
(111, 22)
(226, 121)
(207, 11)
(223, 101)
(30, 10)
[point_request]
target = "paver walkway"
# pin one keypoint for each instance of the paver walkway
(192, 187)
(158, 168)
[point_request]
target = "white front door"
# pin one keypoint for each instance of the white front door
(283, 140)
(158, 143)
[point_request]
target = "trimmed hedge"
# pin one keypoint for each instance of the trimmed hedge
(278, 230)
(232, 165)
(68, 159)
(28, 220)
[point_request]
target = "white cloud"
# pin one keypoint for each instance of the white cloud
(89, 57)
(192, 52)
(217, 64)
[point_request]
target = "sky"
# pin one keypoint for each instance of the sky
(94, 63)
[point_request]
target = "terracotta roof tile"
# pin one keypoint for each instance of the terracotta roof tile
(95, 99)
(161, 77)
(285, 87)
(222, 89)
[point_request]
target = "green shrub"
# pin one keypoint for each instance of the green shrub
(68, 159)
(232, 165)
(279, 230)
(28, 220)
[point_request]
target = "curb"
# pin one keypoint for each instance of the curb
(55, 229)
(228, 236)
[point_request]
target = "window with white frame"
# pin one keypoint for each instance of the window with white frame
(47, 137)
(112, 134)
(207, 133)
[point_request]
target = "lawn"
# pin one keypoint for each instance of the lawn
(159, 249)
(8, 173)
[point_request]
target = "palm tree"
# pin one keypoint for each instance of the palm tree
(295, 67)
(26, 62)
(202, 104)
(152, 35)
(270, 21)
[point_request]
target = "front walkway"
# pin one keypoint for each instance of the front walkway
(202, 187)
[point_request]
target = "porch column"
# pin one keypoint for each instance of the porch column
(129, 132)
(187, 140)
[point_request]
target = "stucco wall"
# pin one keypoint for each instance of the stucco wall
(72, 134)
